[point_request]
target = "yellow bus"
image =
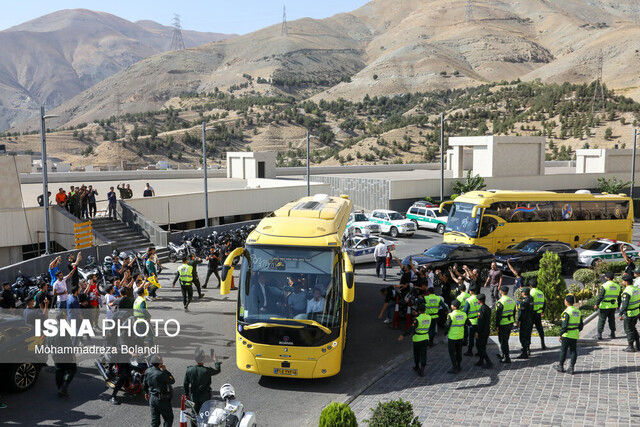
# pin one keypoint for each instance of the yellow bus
(294, 288)
(498, 219)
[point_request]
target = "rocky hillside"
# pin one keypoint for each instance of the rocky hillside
(52, 58)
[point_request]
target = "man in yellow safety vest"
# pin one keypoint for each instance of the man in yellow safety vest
(606, 304)
(629, 312)
(456, 322)
(420, 337)
(185, 275)
(570, 332)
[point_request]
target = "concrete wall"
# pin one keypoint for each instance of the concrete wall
(605, 160)
(325, 170)
(366, 193)
(244, 164)
(119, 176)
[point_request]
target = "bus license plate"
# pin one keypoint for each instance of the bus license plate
(284, 371)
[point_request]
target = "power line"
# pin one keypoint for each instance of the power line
(598, 86)
(468, 11)
(177, 43)
(284, 30)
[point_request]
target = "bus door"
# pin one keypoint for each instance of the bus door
(491, 232)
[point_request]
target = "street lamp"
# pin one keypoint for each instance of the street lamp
(204, 168)
(441, 157)
(45, 187)
(633, 163)
(308, 168)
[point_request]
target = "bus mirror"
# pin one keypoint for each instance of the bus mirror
(227, 271)
(348, 289)
(474, 211)
(443, 204)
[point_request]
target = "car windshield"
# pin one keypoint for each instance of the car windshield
(360, 217)
(594, 245)
(528, 247)
(290, 283)
(460, 219)
(439, 251)
(394, 216)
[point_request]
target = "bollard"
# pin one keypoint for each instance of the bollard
(183, 416)
(409, 319)
(233, 284)
(388, 260)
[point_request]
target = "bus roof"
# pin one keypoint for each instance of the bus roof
(318, 220)
(487, 197)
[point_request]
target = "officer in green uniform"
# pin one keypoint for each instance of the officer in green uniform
(197, 380)
(570, 332)
(525, 322)
(472, 309)
(483, 330)
(505, 312)
(606, 305)
(462, 296)
(456, 321)
(434, 304)
(158, 391)
(420, 336)
(629, 311)
(539, 304)
(185, 275)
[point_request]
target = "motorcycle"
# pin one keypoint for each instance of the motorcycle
(25, 288)
(229, 412)
(110, 372)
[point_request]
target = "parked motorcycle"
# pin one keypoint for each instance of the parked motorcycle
(229, 412)
(26, 287)
(110, 373)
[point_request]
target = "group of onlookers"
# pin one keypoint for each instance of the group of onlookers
(79, 201)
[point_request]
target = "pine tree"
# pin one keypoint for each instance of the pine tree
(552, 284)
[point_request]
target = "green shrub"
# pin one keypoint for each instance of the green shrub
(615, 267)
(529, 277)
(585, 276)
(552, 285)
(337, 415)
(395, 413)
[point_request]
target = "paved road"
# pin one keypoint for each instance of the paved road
(281, 402)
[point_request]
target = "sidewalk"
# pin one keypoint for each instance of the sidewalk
(604, 389)
(590, 331)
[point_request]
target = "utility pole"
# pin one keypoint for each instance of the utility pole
(284, 30)
(45, 183)
(441, 157)
(633, 163)
(177, 42)
(308, 168)
(204, 169)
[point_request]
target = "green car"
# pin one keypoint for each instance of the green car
(428, 216)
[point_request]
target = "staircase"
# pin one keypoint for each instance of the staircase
(125, 238)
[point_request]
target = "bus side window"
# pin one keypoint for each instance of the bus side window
(488, 226)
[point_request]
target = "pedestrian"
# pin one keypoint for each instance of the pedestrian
(91, 199)
(517, 278)
(444, 281)
(505, 311)
(156, 385)
(84, 203)
(629, 311)
(539, 305)
(129, 192)
(483, 330)
(213, 261)
(7, 299)
(631, 266)
(40, 199)
(194, 261)
(111, 206)
(72, 264)
(434, 304)
(61, 198)
(60, 289)
(569, 333)
(380, 255)
(389, 305)
(185, 275)
(606, 304)
(456, 321)
(197, 381)
(472, 310)
(152, 270)
(419, 331)
(494, 279)
(525, 323)
(64, 362)
(54, 267)
(148, 191)
(123, 191)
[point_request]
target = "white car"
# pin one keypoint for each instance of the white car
(428, 216)
(604, 250)
(393, 223)
(360, 248)
(359, 223)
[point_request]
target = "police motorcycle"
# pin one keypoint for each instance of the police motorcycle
(110, 372)
(228, 412)
(26, 287)
(178, 252)
(91, 268)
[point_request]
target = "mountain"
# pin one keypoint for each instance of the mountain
(388, 48)
(50, 59)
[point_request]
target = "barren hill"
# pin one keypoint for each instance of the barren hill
(52, 58)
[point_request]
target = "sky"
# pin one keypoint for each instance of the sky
(219, 16)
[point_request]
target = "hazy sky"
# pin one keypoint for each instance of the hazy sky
(229, 16)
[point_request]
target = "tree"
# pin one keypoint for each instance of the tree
(612, 185)
(552, 284)
(395, 413)
(471, 183)
(608, 133)
(337, 415)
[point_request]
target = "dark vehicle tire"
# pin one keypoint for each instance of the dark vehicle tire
(393, 232)
(173, 257)
(23, 376)
(416, 223)
(595, 262)
(357, 232)
(440, 228)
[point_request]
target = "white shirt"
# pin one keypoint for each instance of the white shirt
(430, 279)
(314, 306)
(108, 298)
(380, 250)
(60, 286)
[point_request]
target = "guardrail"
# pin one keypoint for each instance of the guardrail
(177, 236)
(148, 228)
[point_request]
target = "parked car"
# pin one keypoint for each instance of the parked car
(16, 338)
(360, 248)
(447, 255)
(604, 250)
(428, 216)
(358, 223)
(393, 223)
(526, 255)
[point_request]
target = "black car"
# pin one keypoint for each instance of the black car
(526, 255)
(16, 339)
(447, 255)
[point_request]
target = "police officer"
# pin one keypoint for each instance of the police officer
(197, 381)
(505, 311)
(570, 332)
(193, 262)
(606, 305)
(420, 331)
(483, 329)
(185, 275)
(456, 321)
(629, 311)
(472, 309)
(158, 391)
(434, 304)
(525, 323)
(539, 305)
(140, 305)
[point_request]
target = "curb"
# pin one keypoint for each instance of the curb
(590, 317)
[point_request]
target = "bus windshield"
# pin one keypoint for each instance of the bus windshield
(279, 283)
(460, 220)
